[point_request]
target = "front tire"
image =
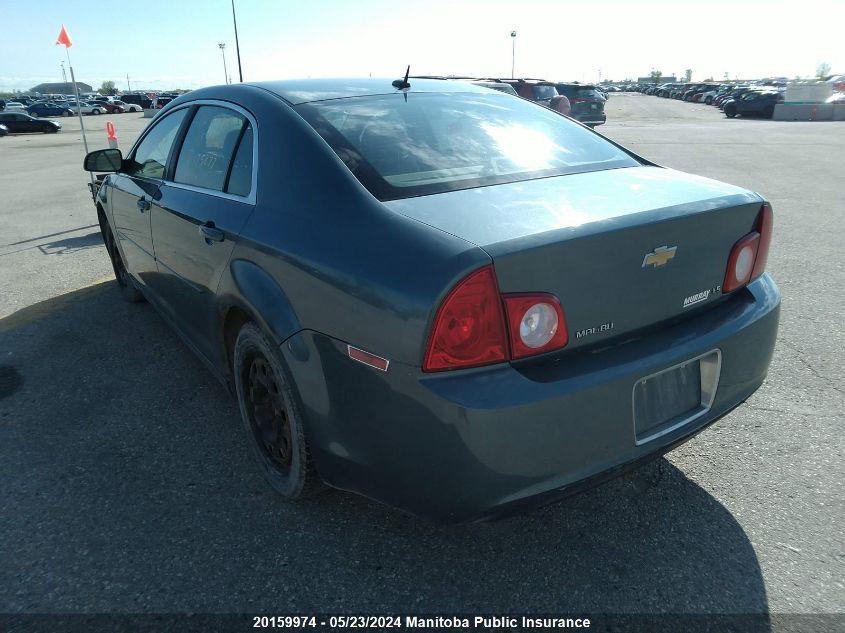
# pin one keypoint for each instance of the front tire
(274, 428)
(127, 287)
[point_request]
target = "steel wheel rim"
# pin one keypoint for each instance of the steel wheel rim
(266, 412)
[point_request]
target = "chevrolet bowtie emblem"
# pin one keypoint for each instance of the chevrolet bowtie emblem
(659, 256)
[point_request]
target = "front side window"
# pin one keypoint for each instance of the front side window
(209, 146)
(150, 159)
(431, 143)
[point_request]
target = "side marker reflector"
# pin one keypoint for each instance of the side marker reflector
(368, 359)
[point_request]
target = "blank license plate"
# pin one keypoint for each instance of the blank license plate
(673, 397)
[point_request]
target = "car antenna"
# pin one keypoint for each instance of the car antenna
(402, 84)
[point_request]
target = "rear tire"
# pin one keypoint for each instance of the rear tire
(274, 428)
(769, 112)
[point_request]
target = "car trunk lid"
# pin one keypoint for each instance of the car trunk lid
(622, 249)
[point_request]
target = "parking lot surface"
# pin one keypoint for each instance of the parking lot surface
(128, 486)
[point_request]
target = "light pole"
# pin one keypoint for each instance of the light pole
(222, 46)
(513, 52)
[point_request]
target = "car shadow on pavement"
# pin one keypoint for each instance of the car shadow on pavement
(132, 489)
(71, 244)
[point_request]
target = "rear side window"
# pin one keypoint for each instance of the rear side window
(240, 176)
(150, 159)
(208, 148)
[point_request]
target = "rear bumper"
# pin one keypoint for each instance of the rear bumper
(591, 118)
(475, 444)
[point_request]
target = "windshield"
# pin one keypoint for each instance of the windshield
(431, 143)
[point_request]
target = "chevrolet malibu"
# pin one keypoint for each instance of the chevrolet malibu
(449, 300)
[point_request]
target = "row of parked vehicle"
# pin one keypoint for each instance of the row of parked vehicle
(755, 99)
(582, 102)
(60, 105)
(30, 115)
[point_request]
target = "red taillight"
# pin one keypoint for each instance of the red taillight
(469, 329)
(748, 256)
(536, 324)
(765, 221)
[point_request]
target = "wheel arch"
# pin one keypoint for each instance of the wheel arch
(249, 294)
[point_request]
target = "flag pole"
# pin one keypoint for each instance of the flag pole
(78, 107)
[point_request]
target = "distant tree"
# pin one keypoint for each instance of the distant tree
(655, 76)
(822, 70)
(107, 87)
(688, 75)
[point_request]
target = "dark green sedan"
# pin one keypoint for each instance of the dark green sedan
(445, 298)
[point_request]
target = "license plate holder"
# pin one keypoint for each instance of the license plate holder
(673, 397)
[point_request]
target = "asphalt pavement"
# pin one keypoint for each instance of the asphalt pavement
(127, 485)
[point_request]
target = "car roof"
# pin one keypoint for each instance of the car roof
(296, 91)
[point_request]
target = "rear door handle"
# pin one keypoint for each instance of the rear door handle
(211, 233)
(143, 204)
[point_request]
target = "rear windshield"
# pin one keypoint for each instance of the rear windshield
(541, 93)
(578, 92)
(405, 145)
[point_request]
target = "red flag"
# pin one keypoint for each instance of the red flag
(64, 38)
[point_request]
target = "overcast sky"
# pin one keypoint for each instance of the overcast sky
(173, 43)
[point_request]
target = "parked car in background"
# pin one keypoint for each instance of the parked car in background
(160, 102)
(497, 85)
(14, 106)
(114, 108)
(755, 103)
(110, 105)
(17, 122)
(400, 315)
(49, 109)
(128, 107)
(539, 91)
(585, 101)
(733, 95)
(87, 108)
(137, 99)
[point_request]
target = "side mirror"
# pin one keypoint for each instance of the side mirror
(104, 160)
